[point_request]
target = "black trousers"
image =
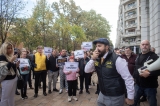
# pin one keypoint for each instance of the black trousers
(98, 90)
(29, 80)
(85, 77)
(72, 87)
(41, 74)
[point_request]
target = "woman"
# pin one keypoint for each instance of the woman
(9, 80)
(72, 81)
(24, 68)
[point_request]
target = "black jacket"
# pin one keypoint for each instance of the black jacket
(9, 65)
(110, 81)
(52, 63)
(151, 81)
(82, 64)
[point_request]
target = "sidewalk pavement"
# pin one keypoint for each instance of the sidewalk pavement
(56, 99)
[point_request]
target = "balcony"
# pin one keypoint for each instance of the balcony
(131, 16)
(125, 1)
(130, 7)
(131, 34)
(131, 25)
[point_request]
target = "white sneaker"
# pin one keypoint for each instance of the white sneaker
(75, 98)
(60, 91)
(69, 98)
(66, 90)
(90, 86)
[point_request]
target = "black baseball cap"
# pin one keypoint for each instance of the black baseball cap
(101, 40)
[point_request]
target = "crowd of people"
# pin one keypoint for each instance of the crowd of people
(117, 71)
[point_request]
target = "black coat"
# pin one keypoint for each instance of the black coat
(52, 63)
(150, 81)
(82, 64)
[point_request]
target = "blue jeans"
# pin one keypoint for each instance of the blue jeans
(149, 92)
(24, 89)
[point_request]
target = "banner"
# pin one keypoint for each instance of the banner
(79, 54)
(71, 66)
(87, 45)
(47, 50)
(61, 61)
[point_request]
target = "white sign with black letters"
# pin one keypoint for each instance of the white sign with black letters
(87, 45)
(71, 66)
(47, 50)
(23, 62)
(79, 54)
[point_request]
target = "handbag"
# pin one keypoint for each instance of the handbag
(94, 78)
(20, 81)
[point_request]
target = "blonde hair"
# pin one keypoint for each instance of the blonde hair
(3, 50)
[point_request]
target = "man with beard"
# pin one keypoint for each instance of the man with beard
(146, 82)
(113, 75)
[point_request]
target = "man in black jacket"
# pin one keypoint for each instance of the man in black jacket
(146, 82)
(83, 75)
(53, 71)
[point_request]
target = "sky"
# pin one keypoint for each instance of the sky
(107, 8)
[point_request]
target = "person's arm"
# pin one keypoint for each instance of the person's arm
(89, 67)
(122, 68)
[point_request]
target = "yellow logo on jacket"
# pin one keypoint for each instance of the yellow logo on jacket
(96, 63)
(109, 64)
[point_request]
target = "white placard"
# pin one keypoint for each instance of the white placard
(79, 54)
(23, 62)
(47, 50)
(71, 66)
(87, 45)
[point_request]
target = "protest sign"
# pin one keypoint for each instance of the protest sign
(47, 51)
(71, 66)
(79, 54)
(87, 45)
(61, 61)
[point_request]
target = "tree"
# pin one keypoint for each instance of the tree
(9, 9)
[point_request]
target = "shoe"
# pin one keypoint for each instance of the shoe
(143, 99)
(35, 95)
(31, 88)
(80, 92)
(60, 91)
(75, 98)
(44, 93)
(26, 97)
(49, 91)
(56, 90)
(17, 93)
(66, 90)
(88, 92)
(22, 98)
(69, 99)
(90, 86)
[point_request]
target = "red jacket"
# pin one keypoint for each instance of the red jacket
(131, 62)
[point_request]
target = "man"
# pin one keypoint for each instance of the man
(61, 73)
(84, 76)
(130, 57)
(113, 75)
(146, 82)
(40, 70)
(53, 71)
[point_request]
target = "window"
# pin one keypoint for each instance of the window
(131, 4)
(131, 13)
(131, 22)
(131, 30)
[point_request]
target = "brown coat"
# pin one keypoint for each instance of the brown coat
(131, 62)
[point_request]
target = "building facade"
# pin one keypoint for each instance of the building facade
(138, 20)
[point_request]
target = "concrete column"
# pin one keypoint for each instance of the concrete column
(138, 20)
(123, 10)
